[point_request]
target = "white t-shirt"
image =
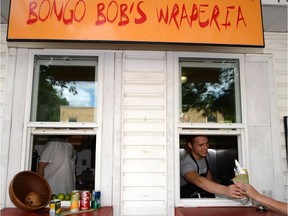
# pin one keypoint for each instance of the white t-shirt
(188, 164)
(60, 171)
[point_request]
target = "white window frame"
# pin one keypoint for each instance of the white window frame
(47, 128)
(239, 129)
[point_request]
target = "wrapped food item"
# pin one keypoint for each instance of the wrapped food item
(241, 176)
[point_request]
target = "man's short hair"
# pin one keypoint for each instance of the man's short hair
(191, 138)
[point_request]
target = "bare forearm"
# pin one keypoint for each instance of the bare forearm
(271, 203)
(41, 167)
(251, 192)
(211, 186)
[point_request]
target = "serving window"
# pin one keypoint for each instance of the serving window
(223, 150)
(209, 91)
(84, 149)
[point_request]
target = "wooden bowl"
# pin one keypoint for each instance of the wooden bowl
(25, 182)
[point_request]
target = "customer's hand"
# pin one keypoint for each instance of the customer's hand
(269, 202)
(248, 190)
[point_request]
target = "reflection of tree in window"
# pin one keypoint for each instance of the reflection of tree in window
(50, 95)
(209, 94)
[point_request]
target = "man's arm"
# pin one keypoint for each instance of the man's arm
(41, 168)
(209, 175)
(211, 186)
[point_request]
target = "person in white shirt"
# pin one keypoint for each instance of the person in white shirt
(57, 165)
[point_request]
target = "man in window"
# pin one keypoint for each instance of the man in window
(196, 178)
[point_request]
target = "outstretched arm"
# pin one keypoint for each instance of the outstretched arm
(250, 191)
(211, 186)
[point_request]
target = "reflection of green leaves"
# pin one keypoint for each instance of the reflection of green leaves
(73, 89)
(50, 95)
(211, 97)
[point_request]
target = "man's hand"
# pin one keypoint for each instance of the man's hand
(234, 191)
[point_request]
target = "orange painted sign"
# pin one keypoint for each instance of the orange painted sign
(233, 22)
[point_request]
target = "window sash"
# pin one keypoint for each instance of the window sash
(32, 128)
(238, 129)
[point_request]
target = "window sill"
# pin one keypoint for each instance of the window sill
(216, 211)
(103, 211)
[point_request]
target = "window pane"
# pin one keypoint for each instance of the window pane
(210, 91)
(64, 89)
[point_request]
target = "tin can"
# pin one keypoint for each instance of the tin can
(55, 207)
(93, 201)
(85, 200)
(74, 204)
(96, 199)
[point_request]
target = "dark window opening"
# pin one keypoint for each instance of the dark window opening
(84, 150)
(223, 150)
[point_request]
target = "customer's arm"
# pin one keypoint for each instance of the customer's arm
(250, 191)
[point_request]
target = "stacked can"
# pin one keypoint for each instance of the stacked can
(85, 200)
(96, 199)
(75, 197)
(55, 207)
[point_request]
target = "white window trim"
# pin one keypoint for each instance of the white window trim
(198, 128)
(84, 128)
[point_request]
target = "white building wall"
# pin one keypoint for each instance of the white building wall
(3, 66)
(3, 82)
(277, 45)
(266, 172)
(144, 134)
(142, 155)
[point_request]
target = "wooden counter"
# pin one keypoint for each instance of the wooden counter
(223, 211)
(103, 211)
(179, 211)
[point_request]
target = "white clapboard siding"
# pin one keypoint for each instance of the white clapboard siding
(3, 68)
(151, 207)
(144, 113)
(276, 44)
(144, 152)
(3, 75)
(140, 139)
(144, 101)
(144, 131)
(143, 165)
(151, 181)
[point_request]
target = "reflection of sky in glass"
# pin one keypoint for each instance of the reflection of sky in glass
(85, 96)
